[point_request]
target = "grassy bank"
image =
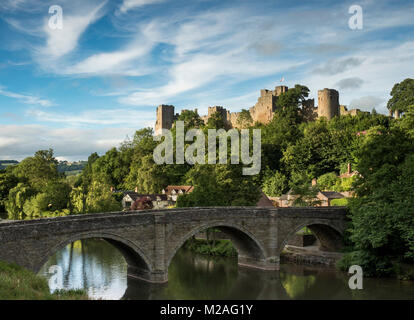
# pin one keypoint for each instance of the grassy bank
(17, 283)
(213, 247)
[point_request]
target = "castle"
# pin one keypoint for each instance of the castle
(264, 109)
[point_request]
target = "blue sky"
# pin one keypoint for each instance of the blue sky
(85, 87)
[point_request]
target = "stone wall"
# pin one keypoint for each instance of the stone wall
(150, 239)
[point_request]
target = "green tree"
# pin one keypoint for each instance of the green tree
(382, 223)
(328, 181)
(7, 182)
(245, 119)
(275, 184)
(191, 119)
(16, 200)
(402, 96)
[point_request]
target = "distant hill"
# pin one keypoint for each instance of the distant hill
(71, 167)
(5, 163)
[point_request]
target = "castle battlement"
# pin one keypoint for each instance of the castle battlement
(264, 109)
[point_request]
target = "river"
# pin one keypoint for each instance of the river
(99, 268)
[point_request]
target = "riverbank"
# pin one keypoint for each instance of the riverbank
(309, 255)
(17, 283)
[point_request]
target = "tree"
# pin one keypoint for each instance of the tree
(402, 96)
(38, 170)
(217, 121)
(245, 119)
(275, 184)
(382, 222)
(16, 200)
(191, 119)
(305, 192)
(328, 181)
(7, 182)
(220, 185)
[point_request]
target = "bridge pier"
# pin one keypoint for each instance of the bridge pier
(147, 276)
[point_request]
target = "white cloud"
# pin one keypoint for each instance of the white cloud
(131, 4)
(68, 143)
(101, 117)
(62, 41)
(27, 99)
(381, 68)
(122, 61)
(366, 103)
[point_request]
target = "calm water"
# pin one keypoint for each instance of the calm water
(100, 269)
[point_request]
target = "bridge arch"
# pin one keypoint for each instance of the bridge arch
(328, 234)
(250, 251)
(139, 265)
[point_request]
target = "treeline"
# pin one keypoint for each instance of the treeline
(65, 166)
(5, 163)
(294, 151)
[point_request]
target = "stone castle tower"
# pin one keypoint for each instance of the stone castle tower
(165, 117)
(265, 106)
(328, 103)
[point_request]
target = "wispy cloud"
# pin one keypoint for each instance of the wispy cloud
(20, 141)
(26, 98)
(60, 42)
(132, 4)
(94, 117)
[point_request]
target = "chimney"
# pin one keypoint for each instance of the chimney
(112, 189)
(314, 182)
(349, 168)
(136, 189)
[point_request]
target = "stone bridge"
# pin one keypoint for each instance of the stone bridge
(149, 239)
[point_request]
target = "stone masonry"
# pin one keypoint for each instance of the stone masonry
(149, 239)
(264, 109)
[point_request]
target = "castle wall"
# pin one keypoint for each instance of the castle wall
(265, 107)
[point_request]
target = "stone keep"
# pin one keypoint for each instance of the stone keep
(328, 103)
(165, 117)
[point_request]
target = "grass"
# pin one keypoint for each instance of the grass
(17, 283)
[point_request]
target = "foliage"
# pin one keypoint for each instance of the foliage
(382, 218)
(191, 119)
(208, 247)
(275, 183)
(402, 95)
(328, 181)
(245, 119)
(306, 193)
(217, 121)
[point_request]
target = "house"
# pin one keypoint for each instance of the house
(173, 192)
(159, 201)
(326, 197)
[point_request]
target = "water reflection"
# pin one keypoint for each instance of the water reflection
(97, 266)
(91, 264)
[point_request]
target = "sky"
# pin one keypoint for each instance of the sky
(89, 85)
